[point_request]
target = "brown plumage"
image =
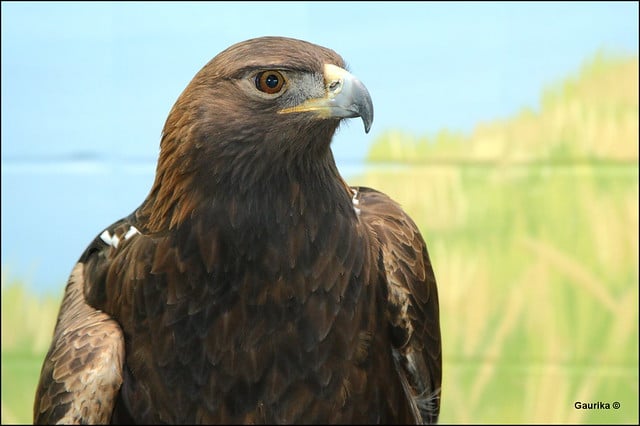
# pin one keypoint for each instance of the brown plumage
(253, 285)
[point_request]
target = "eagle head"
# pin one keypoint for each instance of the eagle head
(275, 94)
(256, 121)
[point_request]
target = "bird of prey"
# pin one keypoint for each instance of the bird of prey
(253, 284)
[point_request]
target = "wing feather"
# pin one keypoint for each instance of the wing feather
(82, 373)
(412, 301)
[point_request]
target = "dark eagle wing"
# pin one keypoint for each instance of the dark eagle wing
(412, 300)
(83, 369)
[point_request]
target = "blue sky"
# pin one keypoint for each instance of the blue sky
(96, 80)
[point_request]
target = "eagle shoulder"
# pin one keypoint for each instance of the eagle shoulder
(82, 372)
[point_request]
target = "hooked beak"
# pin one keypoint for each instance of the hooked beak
(345, 97)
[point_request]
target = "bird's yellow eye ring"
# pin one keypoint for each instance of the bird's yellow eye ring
(269, 82)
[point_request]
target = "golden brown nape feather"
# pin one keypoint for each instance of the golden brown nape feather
(252, 285)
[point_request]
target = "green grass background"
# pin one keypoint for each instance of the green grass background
(532, 226)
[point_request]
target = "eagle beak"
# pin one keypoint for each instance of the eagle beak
(345, 97)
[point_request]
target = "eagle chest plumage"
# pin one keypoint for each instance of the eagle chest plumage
(264, 316)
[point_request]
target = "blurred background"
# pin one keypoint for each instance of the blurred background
(509, 131)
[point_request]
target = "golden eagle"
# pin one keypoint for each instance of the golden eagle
(252, 285)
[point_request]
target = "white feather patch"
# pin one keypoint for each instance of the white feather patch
(131, 232)
(109, 240)
(355, 201)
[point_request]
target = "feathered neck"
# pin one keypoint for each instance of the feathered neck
(246, 183)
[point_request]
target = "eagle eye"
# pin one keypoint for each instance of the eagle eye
(269, 82)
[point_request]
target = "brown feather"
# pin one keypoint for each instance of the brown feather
(412, 297)
(82, 373)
